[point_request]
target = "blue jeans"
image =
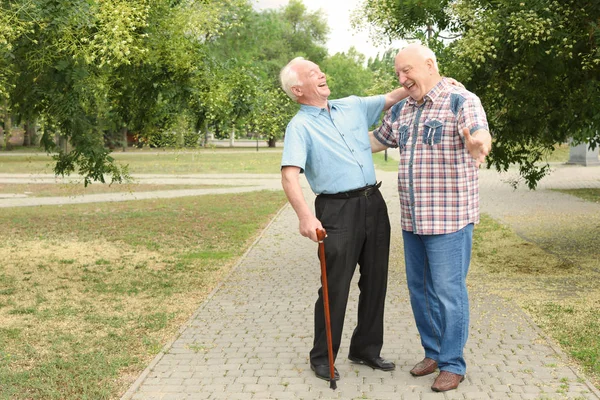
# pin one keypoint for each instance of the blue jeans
(436, 271)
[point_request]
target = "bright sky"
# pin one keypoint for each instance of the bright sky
(341, 35)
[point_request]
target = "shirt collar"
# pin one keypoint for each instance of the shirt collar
(433, 94)
(314, 111)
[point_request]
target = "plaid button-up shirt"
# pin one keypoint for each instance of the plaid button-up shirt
(438, 182)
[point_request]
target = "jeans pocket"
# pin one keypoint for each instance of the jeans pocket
(432, 132)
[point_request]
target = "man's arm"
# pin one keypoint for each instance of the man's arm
(376, 145)
(393, 97)
(290, 180)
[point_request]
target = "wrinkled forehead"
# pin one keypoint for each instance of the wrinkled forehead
(407, 58)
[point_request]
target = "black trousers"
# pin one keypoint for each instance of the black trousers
(358, 232)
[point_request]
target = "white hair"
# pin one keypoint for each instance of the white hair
(289, 77)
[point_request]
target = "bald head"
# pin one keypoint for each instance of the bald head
(417, 70)
(419, 51)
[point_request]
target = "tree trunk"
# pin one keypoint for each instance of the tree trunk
(26, 138)
(3, 115)
(205, 133)
(61, 142)
(7, 129)
(124, 137)
(46, 134)
(34, 140)
(27, 133)
(272, 142)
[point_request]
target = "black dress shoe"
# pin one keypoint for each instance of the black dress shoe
(373, 362)
(322, 371)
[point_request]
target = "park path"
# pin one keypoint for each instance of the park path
(236, 183)
(250, 339)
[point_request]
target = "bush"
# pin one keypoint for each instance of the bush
(162, 139)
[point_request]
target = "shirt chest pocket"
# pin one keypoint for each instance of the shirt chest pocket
(361, 138)
(403, 135)
(432, 132)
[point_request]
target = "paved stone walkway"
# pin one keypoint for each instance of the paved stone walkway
(250, 339)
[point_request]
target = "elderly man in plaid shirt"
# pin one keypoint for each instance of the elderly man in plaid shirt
(442, 134)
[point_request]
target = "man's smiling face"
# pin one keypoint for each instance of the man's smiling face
(414, 73)
(313, 89)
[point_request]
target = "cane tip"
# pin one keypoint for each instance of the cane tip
(332, 384)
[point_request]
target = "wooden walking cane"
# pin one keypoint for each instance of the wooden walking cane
(320, 237)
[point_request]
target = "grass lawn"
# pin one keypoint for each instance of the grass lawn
(204, 161)
(560, 154)
(77, 188)
(90, 293)
(385, 165)
(588, 194)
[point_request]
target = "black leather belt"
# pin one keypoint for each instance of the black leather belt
(363, 191)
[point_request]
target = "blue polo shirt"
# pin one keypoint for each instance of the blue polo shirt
(333, 149)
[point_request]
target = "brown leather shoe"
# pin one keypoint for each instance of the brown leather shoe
(446, 381)
(425, 367)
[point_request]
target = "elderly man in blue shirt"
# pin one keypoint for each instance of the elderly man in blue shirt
(328, 141)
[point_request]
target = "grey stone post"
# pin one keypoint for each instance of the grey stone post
(581, 154)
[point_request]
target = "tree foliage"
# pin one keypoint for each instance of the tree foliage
(406, 19)
(384, 76)
(90, 72)
(252, 54)
(535, 65)
(347, 75)
(85, 68)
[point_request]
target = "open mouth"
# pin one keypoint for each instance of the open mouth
(409, 85)
(323, 84)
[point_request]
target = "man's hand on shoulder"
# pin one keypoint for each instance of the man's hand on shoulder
(478, 144)
(454, 82)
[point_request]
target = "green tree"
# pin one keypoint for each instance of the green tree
(535, 65)
(267, 40)
(406, 19)
(308, 31)
(231, 99)
(92, 67)
(274, 110)
(384, 75)
(347, 74)
(260, 46)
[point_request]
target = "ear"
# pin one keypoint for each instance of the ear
(297, 90)
(429, 63)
